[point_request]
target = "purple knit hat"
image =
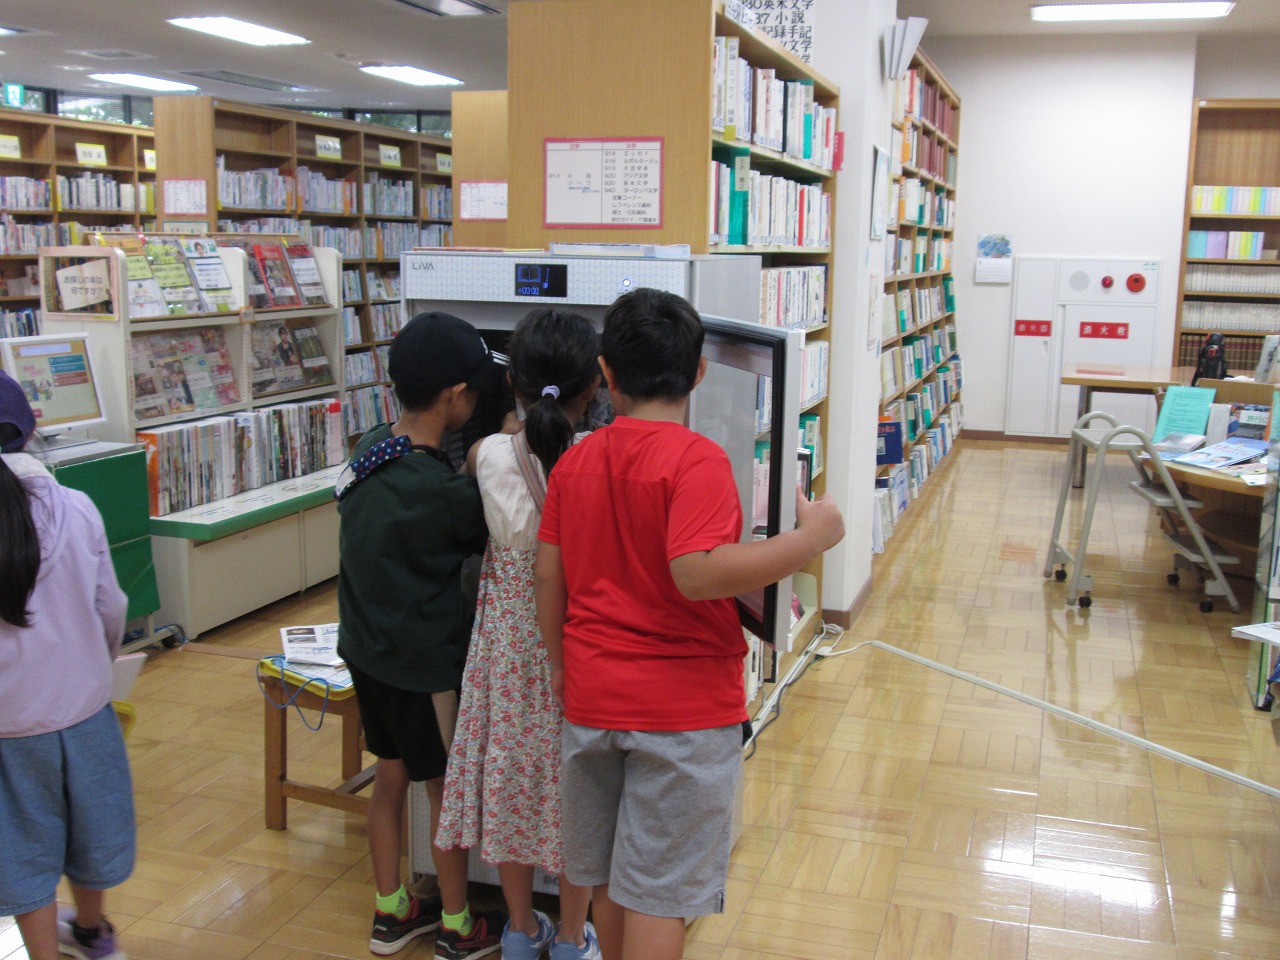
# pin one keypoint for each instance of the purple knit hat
(15, 409)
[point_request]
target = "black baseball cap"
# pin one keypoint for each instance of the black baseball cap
(436, 350)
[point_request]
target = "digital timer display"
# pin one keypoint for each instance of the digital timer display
(542, 280)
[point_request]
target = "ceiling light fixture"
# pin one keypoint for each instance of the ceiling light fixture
(144, 82)
(451, 8)
(229, 28)
(411, 75)
(1170, 10)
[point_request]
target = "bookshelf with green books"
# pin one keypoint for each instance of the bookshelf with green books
(920, 369)
(239, 405)
(367, 191)
(1229, 282)
(61, 179)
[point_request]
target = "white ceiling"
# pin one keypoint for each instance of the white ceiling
(342, 34)
(985, 18)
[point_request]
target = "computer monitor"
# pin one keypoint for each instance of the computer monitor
(56, 373)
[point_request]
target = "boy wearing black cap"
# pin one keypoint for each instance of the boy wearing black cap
(408, 521)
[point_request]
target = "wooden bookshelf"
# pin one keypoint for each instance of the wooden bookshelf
(376, 191)
(1234, 144)
(657, 82)
(60, 153)
(920, 364)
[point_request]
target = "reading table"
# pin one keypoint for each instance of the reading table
(280, 686)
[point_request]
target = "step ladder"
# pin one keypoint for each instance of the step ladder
(1192, 550)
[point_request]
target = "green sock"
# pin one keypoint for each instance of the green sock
(397, 903)
(460, 922)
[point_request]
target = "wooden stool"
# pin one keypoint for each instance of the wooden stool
(280, 687)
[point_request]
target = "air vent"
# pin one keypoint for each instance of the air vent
(249, 80)
(113, 54)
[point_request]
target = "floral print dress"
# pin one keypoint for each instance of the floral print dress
(502, 789)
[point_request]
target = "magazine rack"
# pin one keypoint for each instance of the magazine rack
(1192, 550)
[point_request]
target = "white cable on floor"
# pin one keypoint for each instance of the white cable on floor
(1065, 714)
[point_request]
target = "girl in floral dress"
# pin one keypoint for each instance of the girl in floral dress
(503, 785)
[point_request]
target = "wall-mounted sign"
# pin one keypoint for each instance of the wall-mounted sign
(609, 182)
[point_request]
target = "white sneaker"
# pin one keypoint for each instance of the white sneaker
(571, 951)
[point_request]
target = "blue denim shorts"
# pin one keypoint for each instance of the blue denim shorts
(66, 807)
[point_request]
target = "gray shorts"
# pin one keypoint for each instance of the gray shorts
(650, 814)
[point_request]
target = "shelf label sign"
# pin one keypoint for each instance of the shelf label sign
(444, 163)
(482, 200)
(328, 148)
(10, 146)
(1104, 331)
(388, 155)
(148, 159)
(14, 95)
(83, 284)
(91, 154)
(605, 182)
(1033, 328)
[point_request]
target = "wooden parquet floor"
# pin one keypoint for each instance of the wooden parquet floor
(894, 812)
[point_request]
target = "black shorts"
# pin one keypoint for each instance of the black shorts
(400, 725)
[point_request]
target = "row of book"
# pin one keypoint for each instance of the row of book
(1225, 315)
(382, 241)
(366, 407)
(815, 360)
(1226, 244)
(911, 307)
(351, 332)
(913, 148)
(760, 209)
(179, 372)
(264, 188)
(1237, 199)
(922, 253)
(24, 322)
(102, 191)
(22, 237)
(288, 356)
(352, 291)
(754, 106)
(1222, 278)
(384, 320)
(1240, 353)
(184, 274)
(913, 201)
(318, 194)
(914, 98)
(189, 464)
(900, 483)
(25, 193)
(361, 369)
(388, 196)
(916, 356)
(794, 297)
(437, 201)
(808, 441)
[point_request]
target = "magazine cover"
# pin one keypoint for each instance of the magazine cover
(209, 273)
(306, 274)
(148, 401)
(169, 267)
(221, 371)
(315, 362)
(256, 286)
(275, 343)
(275, 271)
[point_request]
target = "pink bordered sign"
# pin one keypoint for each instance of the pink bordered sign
(603, 182)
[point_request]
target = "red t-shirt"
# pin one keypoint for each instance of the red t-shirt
(621, 505)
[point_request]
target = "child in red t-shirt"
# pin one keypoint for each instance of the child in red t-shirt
(638, 563)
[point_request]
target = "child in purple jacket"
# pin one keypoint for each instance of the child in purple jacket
(66, 800)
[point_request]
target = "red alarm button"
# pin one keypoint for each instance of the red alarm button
(1107, 282)
(1136, 282)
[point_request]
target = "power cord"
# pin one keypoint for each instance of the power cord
(279, 661)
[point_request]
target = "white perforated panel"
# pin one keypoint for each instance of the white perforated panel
(491, 277)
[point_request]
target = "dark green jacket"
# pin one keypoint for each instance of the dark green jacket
(405, 531)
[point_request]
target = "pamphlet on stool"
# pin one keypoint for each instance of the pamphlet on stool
(316, 644)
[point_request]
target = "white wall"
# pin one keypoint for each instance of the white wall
(1072, 146)
(1237, 67)
(847, 52)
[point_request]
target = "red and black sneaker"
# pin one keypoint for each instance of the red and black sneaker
(485, 938)
(390, 933)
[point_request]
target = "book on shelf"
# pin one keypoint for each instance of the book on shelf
(281, 288)
(889, 446)
(276, 365)
(255, 285)
(1223, 454)
(210, 274)
(315, 362)
(306, 274)
(169, 267)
